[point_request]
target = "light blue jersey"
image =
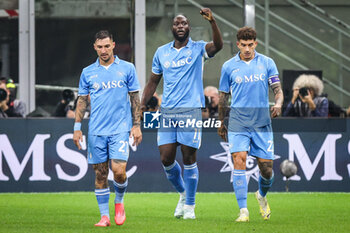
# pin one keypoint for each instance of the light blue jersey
(182, 71)
(248, 84)
(109, 89)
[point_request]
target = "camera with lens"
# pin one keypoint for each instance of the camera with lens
(3, 94)
(303, 91)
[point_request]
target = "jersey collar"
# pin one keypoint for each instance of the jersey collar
(238, 58)
(116, 60)
(189, 43)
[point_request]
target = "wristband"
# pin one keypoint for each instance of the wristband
(77, 126)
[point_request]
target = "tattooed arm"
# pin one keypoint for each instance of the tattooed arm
(277, 108)
(136, 115)
(223, 104)
(79, 115)
(135, 107)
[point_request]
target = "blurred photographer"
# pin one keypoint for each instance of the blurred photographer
(212, 94)
(206, 111)
(3, 101)
(16, 107)
(307, 100)
(66, 106)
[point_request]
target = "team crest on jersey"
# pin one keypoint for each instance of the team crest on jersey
(189, 52)
(260, 67)
(167, 64)
(238, 79)
(96, 86)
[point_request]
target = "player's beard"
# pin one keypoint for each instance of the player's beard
(181, 38)
(106, 60)
(247, 56)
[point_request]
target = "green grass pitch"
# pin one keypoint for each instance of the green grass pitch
(153, 212)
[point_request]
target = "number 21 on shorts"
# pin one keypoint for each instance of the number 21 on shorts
(124, 146)
(270, 148)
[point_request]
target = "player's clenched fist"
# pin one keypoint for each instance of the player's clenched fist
(206, 13)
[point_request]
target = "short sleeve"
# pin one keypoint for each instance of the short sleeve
(83, 85)
(156, 66)
(224, 84)
(202, 45)
(133, 81)
(272, 72)
(271, 68)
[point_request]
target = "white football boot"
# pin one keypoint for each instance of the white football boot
(189, 212)
(179, 210)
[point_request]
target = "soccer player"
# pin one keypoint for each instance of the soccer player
(109, 82)
(246, 77)
(180, 62)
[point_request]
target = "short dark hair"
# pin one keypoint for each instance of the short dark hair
(103, 34)
(181, 15)
(246, 33)
(3, 80)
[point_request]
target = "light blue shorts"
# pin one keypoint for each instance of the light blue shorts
(187, 134)
(103, 148)
(257, 141)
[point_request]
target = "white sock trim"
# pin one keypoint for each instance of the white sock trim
(170, 166)
(192, 166)
(123, 185)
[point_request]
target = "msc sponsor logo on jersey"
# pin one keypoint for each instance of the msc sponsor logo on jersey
(109, 84)
(250, 79)
(112, 84)
(178, 63)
